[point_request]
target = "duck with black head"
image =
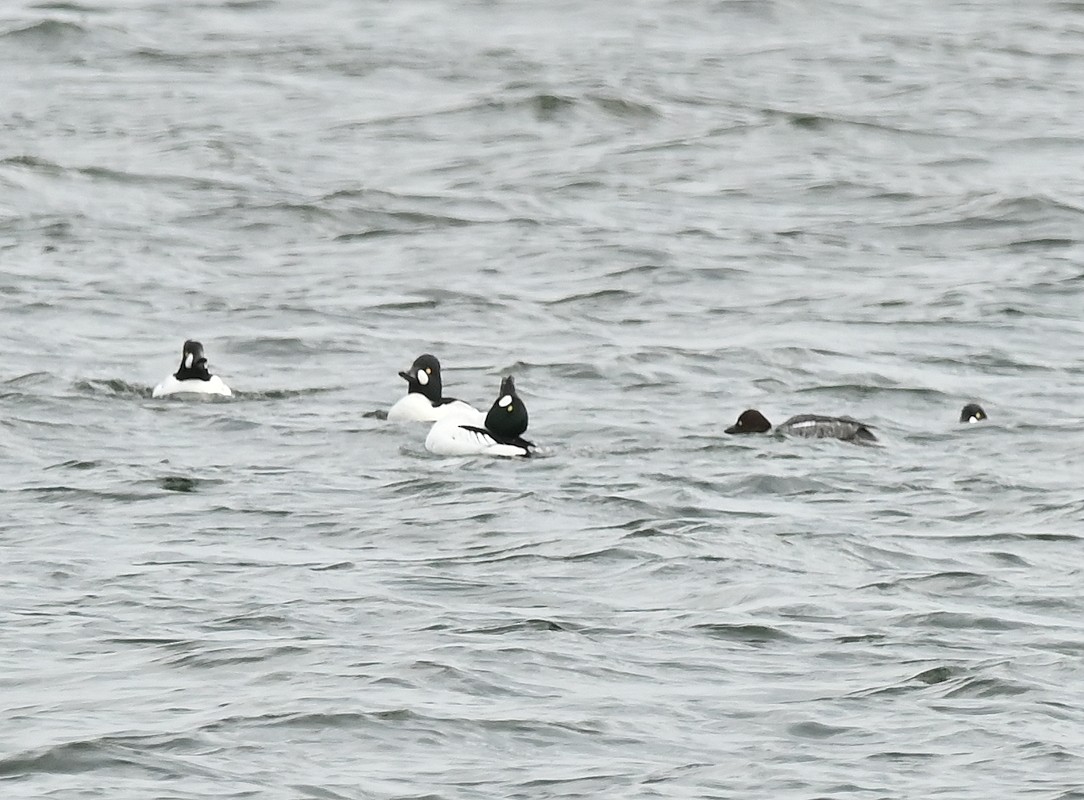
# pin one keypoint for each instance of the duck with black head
(501, 435)
(425, 400)
(972, 412)
(807, 426)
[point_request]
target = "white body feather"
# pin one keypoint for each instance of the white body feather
(449, 438)
(195, 386)
(416, 407)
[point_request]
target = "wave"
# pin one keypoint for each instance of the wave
(948, 620)
(61, 493)
(213, 657)
(887, 387)
(61, 5)
(520, 98)
(599, 295)
(102, 753)
(117, 388)
(45, 32)
(112, 387)
(151, 180)
(285, 394)
(938, 583)
(28, 379)
(991, 210)
(549, 107)
(75, 464)
(748, 633)
(529, 625)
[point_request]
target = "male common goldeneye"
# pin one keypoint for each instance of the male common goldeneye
(972, 413)
(810, 426)
(501, 435)
(193, 375)
(424, 401)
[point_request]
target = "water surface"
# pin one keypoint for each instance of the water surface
(655, 215)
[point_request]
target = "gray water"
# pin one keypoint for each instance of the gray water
(654, 215)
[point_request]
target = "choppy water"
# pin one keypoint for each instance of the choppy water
(654, 214)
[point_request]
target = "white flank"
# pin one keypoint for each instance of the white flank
(171, 386)
(415, 407)
(450, 438)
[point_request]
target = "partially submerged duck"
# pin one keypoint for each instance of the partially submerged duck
(972, 412)
(809, 426)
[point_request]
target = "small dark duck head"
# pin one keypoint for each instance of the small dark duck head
(424, 377)
(750, 421)
(972, 413)
(508, 416)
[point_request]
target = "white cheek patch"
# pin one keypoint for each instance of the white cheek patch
(972, 418)
(188, 361)
(423, 377)
(505, 401)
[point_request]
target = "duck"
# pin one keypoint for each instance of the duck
(192, 377)
(972, 412)
(809, 426)
(500, 435)
(425, 401)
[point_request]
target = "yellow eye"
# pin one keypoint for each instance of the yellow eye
(428, 371)
(510, 408)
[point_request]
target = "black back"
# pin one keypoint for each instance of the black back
(193, 363)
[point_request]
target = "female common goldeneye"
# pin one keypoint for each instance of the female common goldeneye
(500, 436)
(193, 376)
(972, 413)
(424, 401)
(810, 426)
